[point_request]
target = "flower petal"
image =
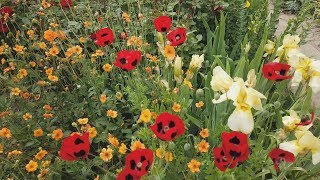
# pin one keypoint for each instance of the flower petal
(241, 121)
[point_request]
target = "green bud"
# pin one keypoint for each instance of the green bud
(199, 93)
(277, 104)
(171, 145)
(216, 96)
(187, 147)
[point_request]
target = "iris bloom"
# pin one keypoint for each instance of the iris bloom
(305, 142)
(244, 98)
(293, 121)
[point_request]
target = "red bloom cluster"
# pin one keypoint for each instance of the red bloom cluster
(234, 149)
(278, 155)
(177, 37)
(168, 127)
(66, 3)
(276, 71)
(103, 37)
(3, 26)
(128, 59)
(138, 163)
(75, 147)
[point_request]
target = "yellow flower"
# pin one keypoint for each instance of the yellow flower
(106, 154)
(247, 4)
(194, 166)
(32, 63)
(145, 116)
(107, 67)
(176, 107)
(82, 39)
(113, 140)
(5, 133)
(50, 35)
(53, 78)
(30, 33)
(119, 95)
(22, 73)
(168, 156)
(83, 120)
(38, 132)
(126, 17)
(137, 145)
(103, 98)
(169, 52)
(14, 152)
(199, 104)
(15, 91)
(54, 51)
(87, 24)
(27, 116)
(57, 134)
(45, 163)
(42, 45)
(41, 154)
(77, 49)
(111, 113)
(203, 146)
(204, 133)
(18, 49)
(45, 4)
(49, 71)
(122, 148)
(92, 132)
(32, 166)
(54, 25)
(160, 153)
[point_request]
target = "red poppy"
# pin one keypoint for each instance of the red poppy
(221, 161)
(168, 127)
(66, 3)
(6, 9)
(306, 121)
(128, 59)
(235, 145)
(75, 147)
(3, 27)
(278, 155)
(162, 23)
(126, 175)
(177, 36)
(103, 37)
(276, 71)
(139, 161)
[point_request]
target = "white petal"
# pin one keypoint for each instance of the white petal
(315, 66)
(315, 84)
(315, 157)
(297, 78)
(220, 81)
(290, 146)
(222, 98)
(253, 98)
(235, 90)
(241, 121)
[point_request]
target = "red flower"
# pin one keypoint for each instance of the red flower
(128, 59)
(75, 146)
(66, 3)
(177, 36)
(103, 37)
(162, 23)
(6, 9)
(138, 162)
(3, 27)
(306, 121)
(126, 175)
(276, 71)
(278, 155)
(221, 161)
(235, 145)
(168, 127)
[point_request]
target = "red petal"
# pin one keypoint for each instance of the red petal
(162, 23)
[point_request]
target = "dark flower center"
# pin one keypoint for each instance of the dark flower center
(129, 177)
(80, 153)
(235, 140)
(235, 153)
(163, 29)
(123, 61)
(134, 63)
(78, 141)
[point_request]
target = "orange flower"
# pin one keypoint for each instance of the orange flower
(50, 35)
(4, 114)
(126, 17)
(169, 52)
(122, 148)
(40, 155)
(137, 145)
(53, 78)
(54, 51)
(176, 107)
(204, 133)
(32, 166)
(83, 121)
(203, 146)
(92, 132)
(42, 45)
(199, 104)
(38, 132)
(106, 154)
(27, 116)
(107, 67)
(194, 166)
(57, 134)
(47, 107)
(113, 140)
(47, 115)
(111, 113)
(5, 133)
(22, 73)
(15, 91)
(103, 98)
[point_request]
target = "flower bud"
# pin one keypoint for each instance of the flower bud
(187, 147)
(199, 93)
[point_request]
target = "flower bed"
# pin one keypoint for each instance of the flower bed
(154, 90)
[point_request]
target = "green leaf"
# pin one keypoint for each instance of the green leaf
(194, 120)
